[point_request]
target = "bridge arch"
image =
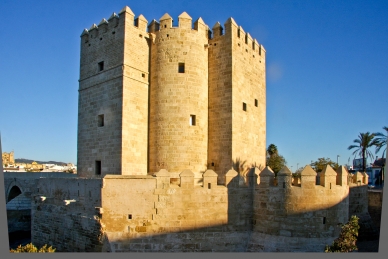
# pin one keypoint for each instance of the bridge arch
(14, 190)
(13, 193)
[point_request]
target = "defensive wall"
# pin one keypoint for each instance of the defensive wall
(155, 213)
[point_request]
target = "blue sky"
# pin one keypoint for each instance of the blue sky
(327, 70)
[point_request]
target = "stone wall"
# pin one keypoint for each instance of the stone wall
(375, 203)
(220, 105)
(165, 213)
(65, 213)
(156, 215)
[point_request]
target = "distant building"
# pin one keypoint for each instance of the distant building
(374, 170)
(8, 158)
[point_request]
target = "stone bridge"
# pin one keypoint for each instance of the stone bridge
(18, 188)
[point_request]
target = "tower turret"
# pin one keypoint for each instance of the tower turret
(178, 96)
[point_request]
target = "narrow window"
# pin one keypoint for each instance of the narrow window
(101, 66)
(181, 67)
(284, 185)
(98, 167)
(324, 220)
(212, 163)
(101, 120)
(209, 185)
(244, 107)
(256, 102)
(143, 75)
(129, 216)
(192, 120)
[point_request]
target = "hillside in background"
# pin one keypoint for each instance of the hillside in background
(29, 161)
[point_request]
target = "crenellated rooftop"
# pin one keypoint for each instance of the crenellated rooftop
(166, 22)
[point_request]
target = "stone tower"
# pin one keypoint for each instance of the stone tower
(170, 98)
(178, 95)
(237, 100)
(113, 97)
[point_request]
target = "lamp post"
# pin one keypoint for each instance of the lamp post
(337, 159)
(297, 166)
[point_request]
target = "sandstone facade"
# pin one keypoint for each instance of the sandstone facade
(169, 97)
(149, 213)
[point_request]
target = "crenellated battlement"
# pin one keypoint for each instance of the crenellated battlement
(113, 21)
(237, 33)
(327, 179)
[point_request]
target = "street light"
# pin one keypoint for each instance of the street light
(297, 166)
(337, 159)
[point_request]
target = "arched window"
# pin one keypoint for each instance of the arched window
(13, 193)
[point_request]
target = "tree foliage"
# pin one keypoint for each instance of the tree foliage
(274, 159)
(30, 248)
(272, 150)
(382, 141)
(346, 242)
(320, 164)
(363, 143)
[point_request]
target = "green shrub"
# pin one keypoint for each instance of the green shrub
(346, 242)
(30, 248)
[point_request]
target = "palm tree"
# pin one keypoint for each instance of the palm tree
(272, 150)
(382, 139)
(364, 141)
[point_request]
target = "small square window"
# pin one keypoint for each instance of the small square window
(192, 120)
(98, 167)
(256, 102)
(101, 66)
(181, 67)
(244, 107)
(101, 120)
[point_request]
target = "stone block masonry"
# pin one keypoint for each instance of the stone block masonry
(152, 213)
(169, 97)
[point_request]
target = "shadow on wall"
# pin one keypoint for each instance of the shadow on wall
(252, 215)
(153, 213)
